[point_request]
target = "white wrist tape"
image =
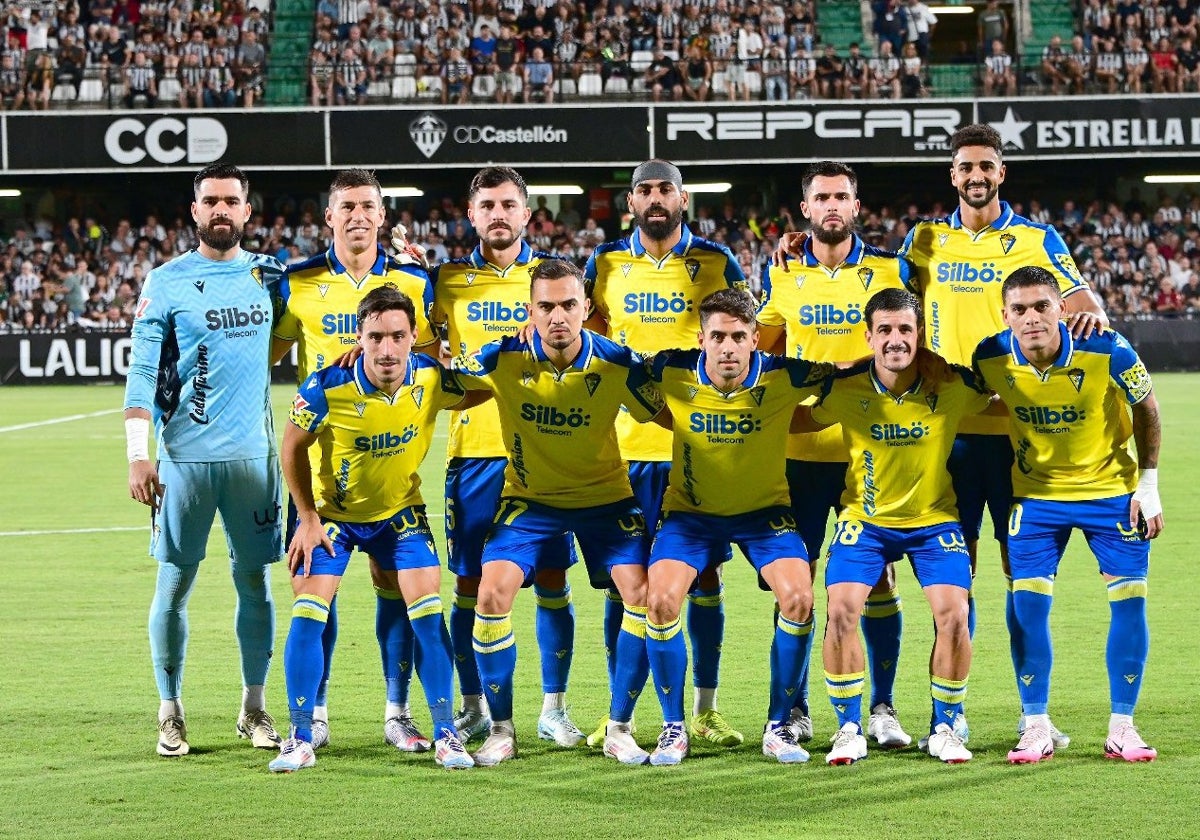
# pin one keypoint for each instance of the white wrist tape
(137, 439)
(1146, 494)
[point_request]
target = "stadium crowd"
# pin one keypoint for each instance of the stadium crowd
(1142, 258)
(153, 53)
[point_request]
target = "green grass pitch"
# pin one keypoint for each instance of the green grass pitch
(77, 698)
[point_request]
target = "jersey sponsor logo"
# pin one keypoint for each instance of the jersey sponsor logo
(339, 323)
(549, 420)
(1049, 420)
(409, 520)
(496, 312)
(965, 272)
(953, 542)
(828, 314)
(724, 428)
(897, 434)
(869, 487)
(652, 303)
(341, 484)
(516, 460)
(385, 444)
(199, 284)
(233, 318)
(142, 306)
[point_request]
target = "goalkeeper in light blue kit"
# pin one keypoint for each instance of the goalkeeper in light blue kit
(200, 371)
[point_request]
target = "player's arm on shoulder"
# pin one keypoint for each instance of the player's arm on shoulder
(647, 401)
(791, 244)
(280, 347)
(468, 395)
(297, 473)
(1084, 314)
(813, 417)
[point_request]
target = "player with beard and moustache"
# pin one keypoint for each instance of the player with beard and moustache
(959, 263)
(479, 299)
(812, 307)
(200, 371)
(318, 303)
(646, 290)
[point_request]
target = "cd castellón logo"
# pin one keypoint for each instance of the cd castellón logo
(429, 132)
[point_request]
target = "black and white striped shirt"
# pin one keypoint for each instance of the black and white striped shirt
(140, 78)
(191, 76)
(998, 65)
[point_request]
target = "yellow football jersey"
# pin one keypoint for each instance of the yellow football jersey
(898, 445)
(477, 303)
(652, 305)
(958, 273)
(725, 456)
(370, 445)
(559, 426)
(1070, 424)
(821, 310)
(318, 305)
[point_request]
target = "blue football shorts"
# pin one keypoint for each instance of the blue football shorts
(400, 542)
(609, 535)
(1038, 530)
(473, 488)
(764, 536)
(859, 551)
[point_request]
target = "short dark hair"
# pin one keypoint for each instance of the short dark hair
(386, 298)
(736, 303)
(556, 270)
(893, 300)
(827, 169)
(221, 172)
(491, 177)
(1026, 277)
(348, 179)
(976, 135)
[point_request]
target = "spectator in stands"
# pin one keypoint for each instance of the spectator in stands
(539, 77)
(855, 73)
(1078, 66)
(1164, 65)
(1108, 67)
(350, 80)
(884, 77)
(696, 70)
(12, 83)
(802, 77)
(191, 80)
(507, 61)
(830, 74)
(566, 53)
(1054, 64)
(1167, 300)
(483, 49)
(643, 30)
(70, 59)
(1187, 63)
(998, 75)
(890, 23)
(775, 74)
(992, 25)
(141, 82)
(1137, 66)
(912, 84)
(248, 68)
(919, 25)
(1183, 20)
(748, 60)
(662, 75)
(614, 56)
(456, 78)
(219, 84)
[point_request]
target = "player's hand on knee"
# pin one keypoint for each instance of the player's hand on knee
(790, 244)
(144, 485)
(310, 535)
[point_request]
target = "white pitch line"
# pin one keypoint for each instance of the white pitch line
(54, 420)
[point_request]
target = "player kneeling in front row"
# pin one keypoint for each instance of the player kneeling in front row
(899, 427)
(732, 405)
(374, 422)
(1070, 430)
(558, 396)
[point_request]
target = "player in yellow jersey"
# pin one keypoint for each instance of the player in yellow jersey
(1074, 405)
(899, 428)
(646, 289)
(812, 306)
(318, 302)
(559, 394)
(959, 264)
(731, 405)
(479, 299)
(374, 423)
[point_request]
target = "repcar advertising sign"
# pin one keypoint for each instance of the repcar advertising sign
(469, 136)
(847, 130)
(1095, 127)
(128, 140)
